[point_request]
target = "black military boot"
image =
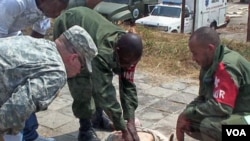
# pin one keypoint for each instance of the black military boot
(101, 121)
(86, 131)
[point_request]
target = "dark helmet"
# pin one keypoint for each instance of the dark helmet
(129, 49)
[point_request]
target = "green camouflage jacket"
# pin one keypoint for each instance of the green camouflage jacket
(224, 87)
(105, 65)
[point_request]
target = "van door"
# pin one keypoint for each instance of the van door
(222, 16)
(217, 10)
(205, 19)
(222, 13)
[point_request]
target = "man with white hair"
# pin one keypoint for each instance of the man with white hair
(17, 15)
(33, 71)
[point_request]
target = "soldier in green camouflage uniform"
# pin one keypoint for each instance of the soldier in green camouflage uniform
(224, 89)
(118, 53)
(33, 71)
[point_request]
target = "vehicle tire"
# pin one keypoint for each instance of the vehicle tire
(174, 31)
(213, 25)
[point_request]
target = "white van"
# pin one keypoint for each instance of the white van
(167, 15)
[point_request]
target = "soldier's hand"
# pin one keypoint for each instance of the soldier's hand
(132, 129)
(126, 135)
(181, 127)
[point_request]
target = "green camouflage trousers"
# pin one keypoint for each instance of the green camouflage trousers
(96, 90)
(210, 129)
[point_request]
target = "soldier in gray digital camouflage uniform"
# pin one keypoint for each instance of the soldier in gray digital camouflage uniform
(33, 71)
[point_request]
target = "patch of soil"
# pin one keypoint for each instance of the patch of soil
(235, 28)
(234, 32)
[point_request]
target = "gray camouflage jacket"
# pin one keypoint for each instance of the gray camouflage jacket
(31, 75)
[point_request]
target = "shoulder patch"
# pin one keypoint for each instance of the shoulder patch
(225, 89)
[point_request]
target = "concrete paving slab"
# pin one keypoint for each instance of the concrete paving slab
(194, 89)
(182, 97)
(53, 119)
(164, 105)
(159, 92)
(174, 85)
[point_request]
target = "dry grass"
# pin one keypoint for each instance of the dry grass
(168, 54)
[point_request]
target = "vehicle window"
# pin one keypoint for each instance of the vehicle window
(166, 11)
(117, 1)
(213, 1)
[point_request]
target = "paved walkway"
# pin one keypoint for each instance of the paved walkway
(159, 105)
(236, 30)
(236, 9)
